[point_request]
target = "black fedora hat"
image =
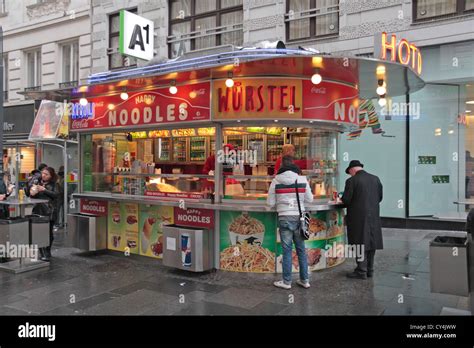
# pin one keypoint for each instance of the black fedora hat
(354, 163)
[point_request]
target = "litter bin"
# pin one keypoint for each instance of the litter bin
(39, 230)
(448, 265)
(14, 231)
(187, 248)
(87, 232)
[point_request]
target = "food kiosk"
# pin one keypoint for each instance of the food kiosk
(194, 143)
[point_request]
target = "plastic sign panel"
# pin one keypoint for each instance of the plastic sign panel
(136, 36)
(148, 108)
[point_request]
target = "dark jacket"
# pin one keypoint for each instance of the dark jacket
(50, 208)
(470, 222)
(362, 195)
(3, 208)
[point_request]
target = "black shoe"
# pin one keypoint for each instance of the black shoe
(356, 275)
(370, 274)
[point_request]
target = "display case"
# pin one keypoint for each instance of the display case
(236, 140)
(162, 151)
(255, 142)
(180, 149)
(274, 147)
(198, 149)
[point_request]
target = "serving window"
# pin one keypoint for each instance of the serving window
(180, 163)
(161, 163)
(258, 157)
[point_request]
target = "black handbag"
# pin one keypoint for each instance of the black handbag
(304, 217)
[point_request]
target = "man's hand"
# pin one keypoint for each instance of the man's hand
(2, 197)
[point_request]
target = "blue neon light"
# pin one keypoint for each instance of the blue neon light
(198, 62)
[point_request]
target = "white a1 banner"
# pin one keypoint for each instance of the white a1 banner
(136, 36)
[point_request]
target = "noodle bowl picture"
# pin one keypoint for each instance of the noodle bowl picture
(247, 258)
(246, 228)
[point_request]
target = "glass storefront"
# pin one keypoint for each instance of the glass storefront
(421, 145)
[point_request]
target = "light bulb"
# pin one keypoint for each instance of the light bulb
(381, 90)
(316, 79)
(124, 95)
(83, 101)
(173, 90)
(229, 83)
(111, 106)
(382, 102)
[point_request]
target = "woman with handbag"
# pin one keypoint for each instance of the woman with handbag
(45, 188)
(289, 191)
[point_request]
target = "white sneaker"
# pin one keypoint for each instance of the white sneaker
(303, 284)
(281, 284)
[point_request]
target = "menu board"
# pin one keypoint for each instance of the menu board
(123, 227)
(151, 222)
(247, 241)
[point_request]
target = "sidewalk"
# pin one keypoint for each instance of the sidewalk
(113, 284)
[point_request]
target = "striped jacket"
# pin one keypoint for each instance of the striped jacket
(282, 193)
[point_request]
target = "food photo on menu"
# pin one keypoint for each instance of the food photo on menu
(307, 161)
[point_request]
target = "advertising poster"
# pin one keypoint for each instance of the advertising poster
(315, 251)
(150, 228)
(130, 211)
(326, 228)
(247, 241)
(335, 251)
(116, 230)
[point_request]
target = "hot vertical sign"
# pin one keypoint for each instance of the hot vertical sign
(388, 47)
(153, 107)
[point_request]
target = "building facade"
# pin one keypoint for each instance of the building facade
(46, 46)
(421, 144)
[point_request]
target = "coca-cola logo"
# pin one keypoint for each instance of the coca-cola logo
(79, 124)
(320, 90)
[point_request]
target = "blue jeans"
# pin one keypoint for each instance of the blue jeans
(288, 234)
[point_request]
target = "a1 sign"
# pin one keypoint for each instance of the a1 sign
(136, 36)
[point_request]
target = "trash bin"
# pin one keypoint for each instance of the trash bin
(39, 230)
(14, 231)
(449, 266)
(187, 248)
(87, 232)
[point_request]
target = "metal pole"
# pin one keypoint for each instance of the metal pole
(65, 204)
(1, 104)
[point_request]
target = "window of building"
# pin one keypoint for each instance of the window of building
(116, 59)
(306, 19)
(3, 7)
(429, 9)
(198, 25)
(5, 76)
(33, 69)
(70, 62)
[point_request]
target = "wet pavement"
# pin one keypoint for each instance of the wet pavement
(110, 283)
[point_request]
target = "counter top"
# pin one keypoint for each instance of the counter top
(25, 201)
(319, 205)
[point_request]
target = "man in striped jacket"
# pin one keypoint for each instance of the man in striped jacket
(282, 193)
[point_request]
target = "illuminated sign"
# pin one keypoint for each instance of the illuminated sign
(79, 112)
(404, 52)
(158, 134)
(187, 132)
(136, 36)
(258, 99)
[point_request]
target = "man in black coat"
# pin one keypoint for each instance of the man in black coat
(362, 196)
